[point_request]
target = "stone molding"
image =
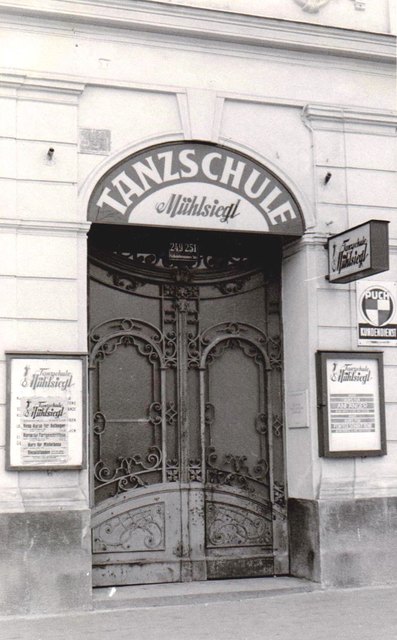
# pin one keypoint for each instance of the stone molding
(348, 119)
(213, 25)
(31, 86)
(312, 239)
(46, 227)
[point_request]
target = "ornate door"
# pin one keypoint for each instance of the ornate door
(186, 403)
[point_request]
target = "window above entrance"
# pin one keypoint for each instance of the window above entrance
(198, 186)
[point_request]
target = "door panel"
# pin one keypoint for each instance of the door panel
(134, 537)
(237, 414)
(186, 394)
(239, 536)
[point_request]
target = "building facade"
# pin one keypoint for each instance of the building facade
(171, 173)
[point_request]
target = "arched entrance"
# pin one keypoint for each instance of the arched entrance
(186, 392)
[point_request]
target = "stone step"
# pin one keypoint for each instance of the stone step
(157, 595)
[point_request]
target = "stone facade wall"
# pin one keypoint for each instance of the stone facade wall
(302, 98)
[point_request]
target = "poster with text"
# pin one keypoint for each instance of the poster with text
(351, 404)
(46, 411)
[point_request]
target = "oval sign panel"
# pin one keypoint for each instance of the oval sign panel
(195, 185)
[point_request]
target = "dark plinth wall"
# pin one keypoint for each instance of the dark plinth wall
(45, 557)
(304, 543)
(344, 543)
(45, 562)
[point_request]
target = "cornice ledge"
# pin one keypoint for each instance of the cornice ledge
(314, 239)
(32, 82)
(329, 113)
(213, 25)
(381, 487)
(49, 227)
(310, 238)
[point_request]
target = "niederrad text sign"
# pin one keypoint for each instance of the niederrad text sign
(195, 185)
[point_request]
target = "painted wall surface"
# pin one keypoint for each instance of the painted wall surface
(300, 115)
(352, 14)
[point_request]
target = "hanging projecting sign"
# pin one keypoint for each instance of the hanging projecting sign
(359, 252)
(195, 185)
(377, 313)
(45, 411)
(351, 416)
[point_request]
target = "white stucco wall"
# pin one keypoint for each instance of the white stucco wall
(302, 114)
(352, 14)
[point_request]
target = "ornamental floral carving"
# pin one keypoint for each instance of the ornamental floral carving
(230, 526)
(134, 530)
(311, 6)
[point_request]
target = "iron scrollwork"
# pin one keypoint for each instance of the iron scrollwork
(209, 415)
(195, 471)
(248, 348)
(130, 471)
(277, 426)
(180, 291)
(172, 470)
(171, 413)
(155, 417)
(125, 340)
(170, 349)
(279, 494)
(99, 423)
(234, 471)
(261, 424)
(106, 338)
(275, 352)
(252, 340)
(193, 351)
(124, 282)
(230, 287)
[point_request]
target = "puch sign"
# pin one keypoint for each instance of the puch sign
(377, 313)
(195, 185)
(358, 252)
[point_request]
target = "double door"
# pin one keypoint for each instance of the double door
(186, 407)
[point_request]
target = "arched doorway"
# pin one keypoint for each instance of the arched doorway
(186, 398)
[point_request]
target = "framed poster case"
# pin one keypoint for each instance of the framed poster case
(350, 401)
(46, 411)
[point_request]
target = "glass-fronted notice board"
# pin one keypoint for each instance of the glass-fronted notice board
(351, 414)
(46, 411)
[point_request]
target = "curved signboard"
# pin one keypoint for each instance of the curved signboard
(195, 185)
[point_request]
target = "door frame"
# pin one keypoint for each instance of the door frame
(276, 499)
